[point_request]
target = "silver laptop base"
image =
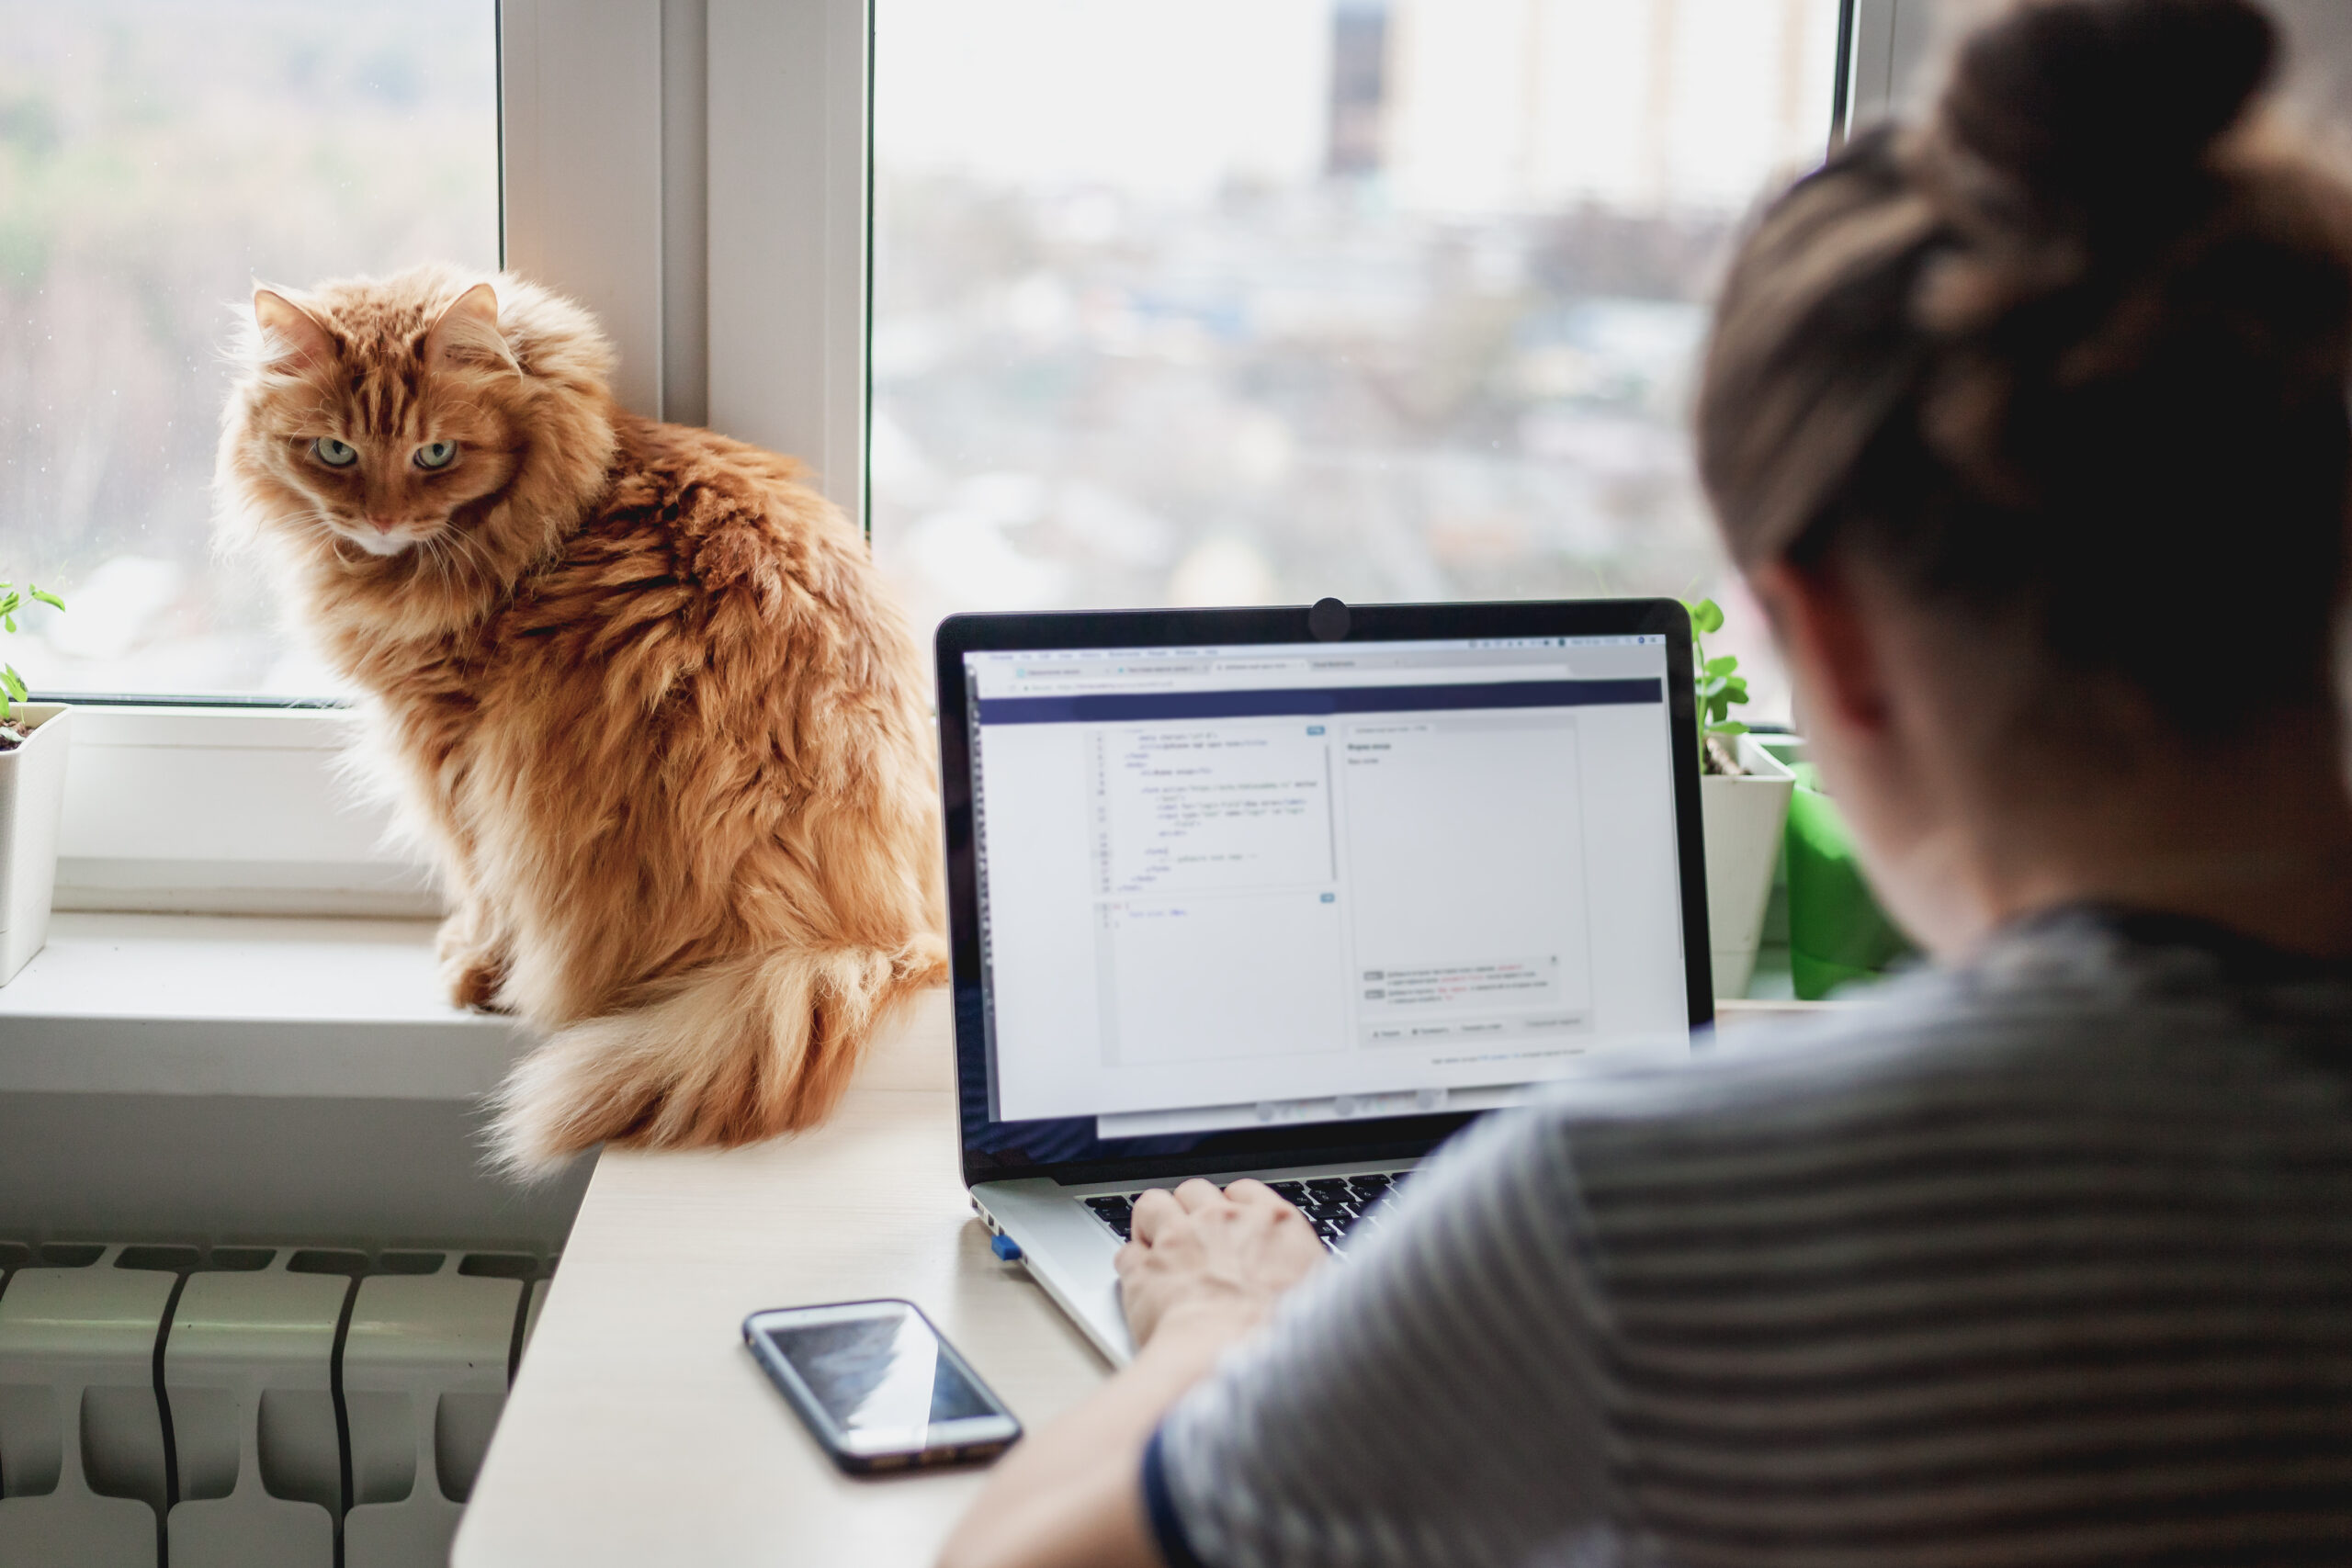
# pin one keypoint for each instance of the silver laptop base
(1068, 1249)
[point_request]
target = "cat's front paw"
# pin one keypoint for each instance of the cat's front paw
(475, 983)
(473, 965)
(474, 978)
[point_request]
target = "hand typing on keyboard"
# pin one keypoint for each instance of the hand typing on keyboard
(1336, 1206)
(1212, 1261)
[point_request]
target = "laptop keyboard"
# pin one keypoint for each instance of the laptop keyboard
(1336, 1206)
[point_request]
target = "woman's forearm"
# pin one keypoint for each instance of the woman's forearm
(1070, 1495)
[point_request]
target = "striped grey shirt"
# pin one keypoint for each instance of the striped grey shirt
(2047, 1261)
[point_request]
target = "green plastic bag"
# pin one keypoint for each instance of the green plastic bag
(1836, 932)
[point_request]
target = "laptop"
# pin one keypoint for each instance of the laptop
(1297, 893)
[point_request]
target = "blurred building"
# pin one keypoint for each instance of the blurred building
(1359, 89)
(1386, 299)
(1525, 106)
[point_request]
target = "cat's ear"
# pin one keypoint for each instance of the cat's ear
(468, 334)
(291, 339)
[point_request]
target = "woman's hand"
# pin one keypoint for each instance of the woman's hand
(1204, 1270)
(1220, 1257)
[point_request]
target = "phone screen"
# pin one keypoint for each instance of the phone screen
(878, 1386)
(884, 1372)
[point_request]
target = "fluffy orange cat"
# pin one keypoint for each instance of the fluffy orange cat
(640, 690)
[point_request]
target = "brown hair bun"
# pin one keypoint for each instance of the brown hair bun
(2067, 361)
(2087, 111)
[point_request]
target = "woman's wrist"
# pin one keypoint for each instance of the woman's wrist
(1209, 1320)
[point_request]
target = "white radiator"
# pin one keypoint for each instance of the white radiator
(260, 1408)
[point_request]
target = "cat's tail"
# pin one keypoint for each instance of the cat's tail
(724, 1054)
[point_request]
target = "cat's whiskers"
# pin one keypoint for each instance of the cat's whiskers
(456, 557)
(317, 519)
(478, 551)
(433, 553)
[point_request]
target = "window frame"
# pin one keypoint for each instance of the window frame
(1885, 44)
(669, 164)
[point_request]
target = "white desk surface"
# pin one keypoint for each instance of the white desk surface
(639, 1430)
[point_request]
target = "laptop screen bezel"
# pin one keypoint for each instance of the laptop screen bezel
(1066, 1149)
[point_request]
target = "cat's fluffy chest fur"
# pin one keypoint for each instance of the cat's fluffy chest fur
(609, 694)
(650, 708)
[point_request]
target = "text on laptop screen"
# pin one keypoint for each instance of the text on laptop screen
(1231, 886)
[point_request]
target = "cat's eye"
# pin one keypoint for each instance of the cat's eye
(333, 453)
(436, 454)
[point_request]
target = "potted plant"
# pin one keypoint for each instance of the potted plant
(1743, 805)
(1837, 933)
(32, 799)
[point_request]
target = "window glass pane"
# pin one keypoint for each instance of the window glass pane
(1255, 300)
(157, 157)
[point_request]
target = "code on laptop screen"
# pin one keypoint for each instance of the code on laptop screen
(1228, 887)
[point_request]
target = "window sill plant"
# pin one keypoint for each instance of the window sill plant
(33, 744)
(1837, 933)
(1743, 805)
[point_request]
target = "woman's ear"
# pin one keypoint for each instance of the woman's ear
(1834, 659)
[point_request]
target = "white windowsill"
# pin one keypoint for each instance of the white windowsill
(211, 1005)
(240, 1005)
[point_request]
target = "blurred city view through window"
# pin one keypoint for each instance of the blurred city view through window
(1229, 302)
(157, 157)
(1250, 301)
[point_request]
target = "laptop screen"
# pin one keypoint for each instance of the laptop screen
(1247, 886)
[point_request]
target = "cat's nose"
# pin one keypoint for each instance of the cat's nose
(382, 525)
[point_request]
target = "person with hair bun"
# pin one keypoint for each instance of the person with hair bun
(2028, 426)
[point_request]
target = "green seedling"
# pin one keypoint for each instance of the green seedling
(1721, 687)
(13, 690)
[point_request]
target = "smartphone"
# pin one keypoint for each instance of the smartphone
(878, 1386)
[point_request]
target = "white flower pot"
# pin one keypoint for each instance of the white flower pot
(32, 803)
(1743, 818)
